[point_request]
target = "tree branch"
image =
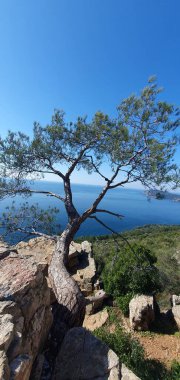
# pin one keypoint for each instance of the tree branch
(76, 161)
(109, 212)
(122, 182)
(96, 169)
(92, 209)
(26, 191)
(36, 233)
(114, 232)
(55, 171)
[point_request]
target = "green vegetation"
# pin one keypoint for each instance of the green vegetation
(137, 144)
(161, 254)
(131, 353)
(130, 271)
(175, 371)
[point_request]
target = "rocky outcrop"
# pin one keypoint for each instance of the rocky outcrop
(26, 305)
(26, 298)
(82, 356)
(25, 314)
(94, 321)
(81, 263)
(141, 312)
(176, 309)
(85, 274)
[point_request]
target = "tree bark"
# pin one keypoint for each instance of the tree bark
(67, 292)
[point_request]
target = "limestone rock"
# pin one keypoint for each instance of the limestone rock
(82, 356)
(6, 331)
(25, 312)
(42, 248)
(176, 314)
(175, 300)
(141, 312)
(86, 246)
(85, 273)
(92, 322)
(81, 263)
(3, 246)
(75, 249)
(127, 374)
(4, 367)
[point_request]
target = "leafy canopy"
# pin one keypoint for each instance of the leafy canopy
(138, 144)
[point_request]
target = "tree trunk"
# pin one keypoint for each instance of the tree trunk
(67, 292)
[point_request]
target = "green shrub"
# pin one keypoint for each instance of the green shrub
(129, 350)
(164, 243)
(132, 272)
(123, 303)
(131, 353)
(175, 371)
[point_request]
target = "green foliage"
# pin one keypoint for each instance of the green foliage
(133, 271)
(27, 220)
(139, 141)
(123, 302)
(131, 353)
(175, 371)
(164, 244)
(129, 350)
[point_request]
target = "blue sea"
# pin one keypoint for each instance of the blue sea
(132, 204)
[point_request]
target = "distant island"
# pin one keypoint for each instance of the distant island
(160, 194)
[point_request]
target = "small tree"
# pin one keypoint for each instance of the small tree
(138, 145)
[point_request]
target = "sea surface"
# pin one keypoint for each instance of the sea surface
(134, 205)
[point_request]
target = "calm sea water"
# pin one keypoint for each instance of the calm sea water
(133, 204)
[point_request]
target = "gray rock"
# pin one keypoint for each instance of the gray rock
(141, 312)
(176, 315)
(92, 322)
(86, 246)
(4, 367)
(25, 313)
(83, 356)
(175, 300)
(6, 331)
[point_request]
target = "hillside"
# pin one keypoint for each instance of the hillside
(163, 241)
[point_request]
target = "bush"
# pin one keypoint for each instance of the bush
(123, 303)
(132, 272)
(129, 350)
(131, 353)
(175, 371)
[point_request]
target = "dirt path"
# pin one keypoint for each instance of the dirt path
(164, 348)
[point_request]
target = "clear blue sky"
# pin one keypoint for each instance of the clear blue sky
(83, 56)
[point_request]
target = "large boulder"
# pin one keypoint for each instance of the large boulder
(82, 356)
(25, 314)
(141, 312)
(176, 309)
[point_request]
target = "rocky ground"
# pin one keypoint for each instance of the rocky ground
(31, 332)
